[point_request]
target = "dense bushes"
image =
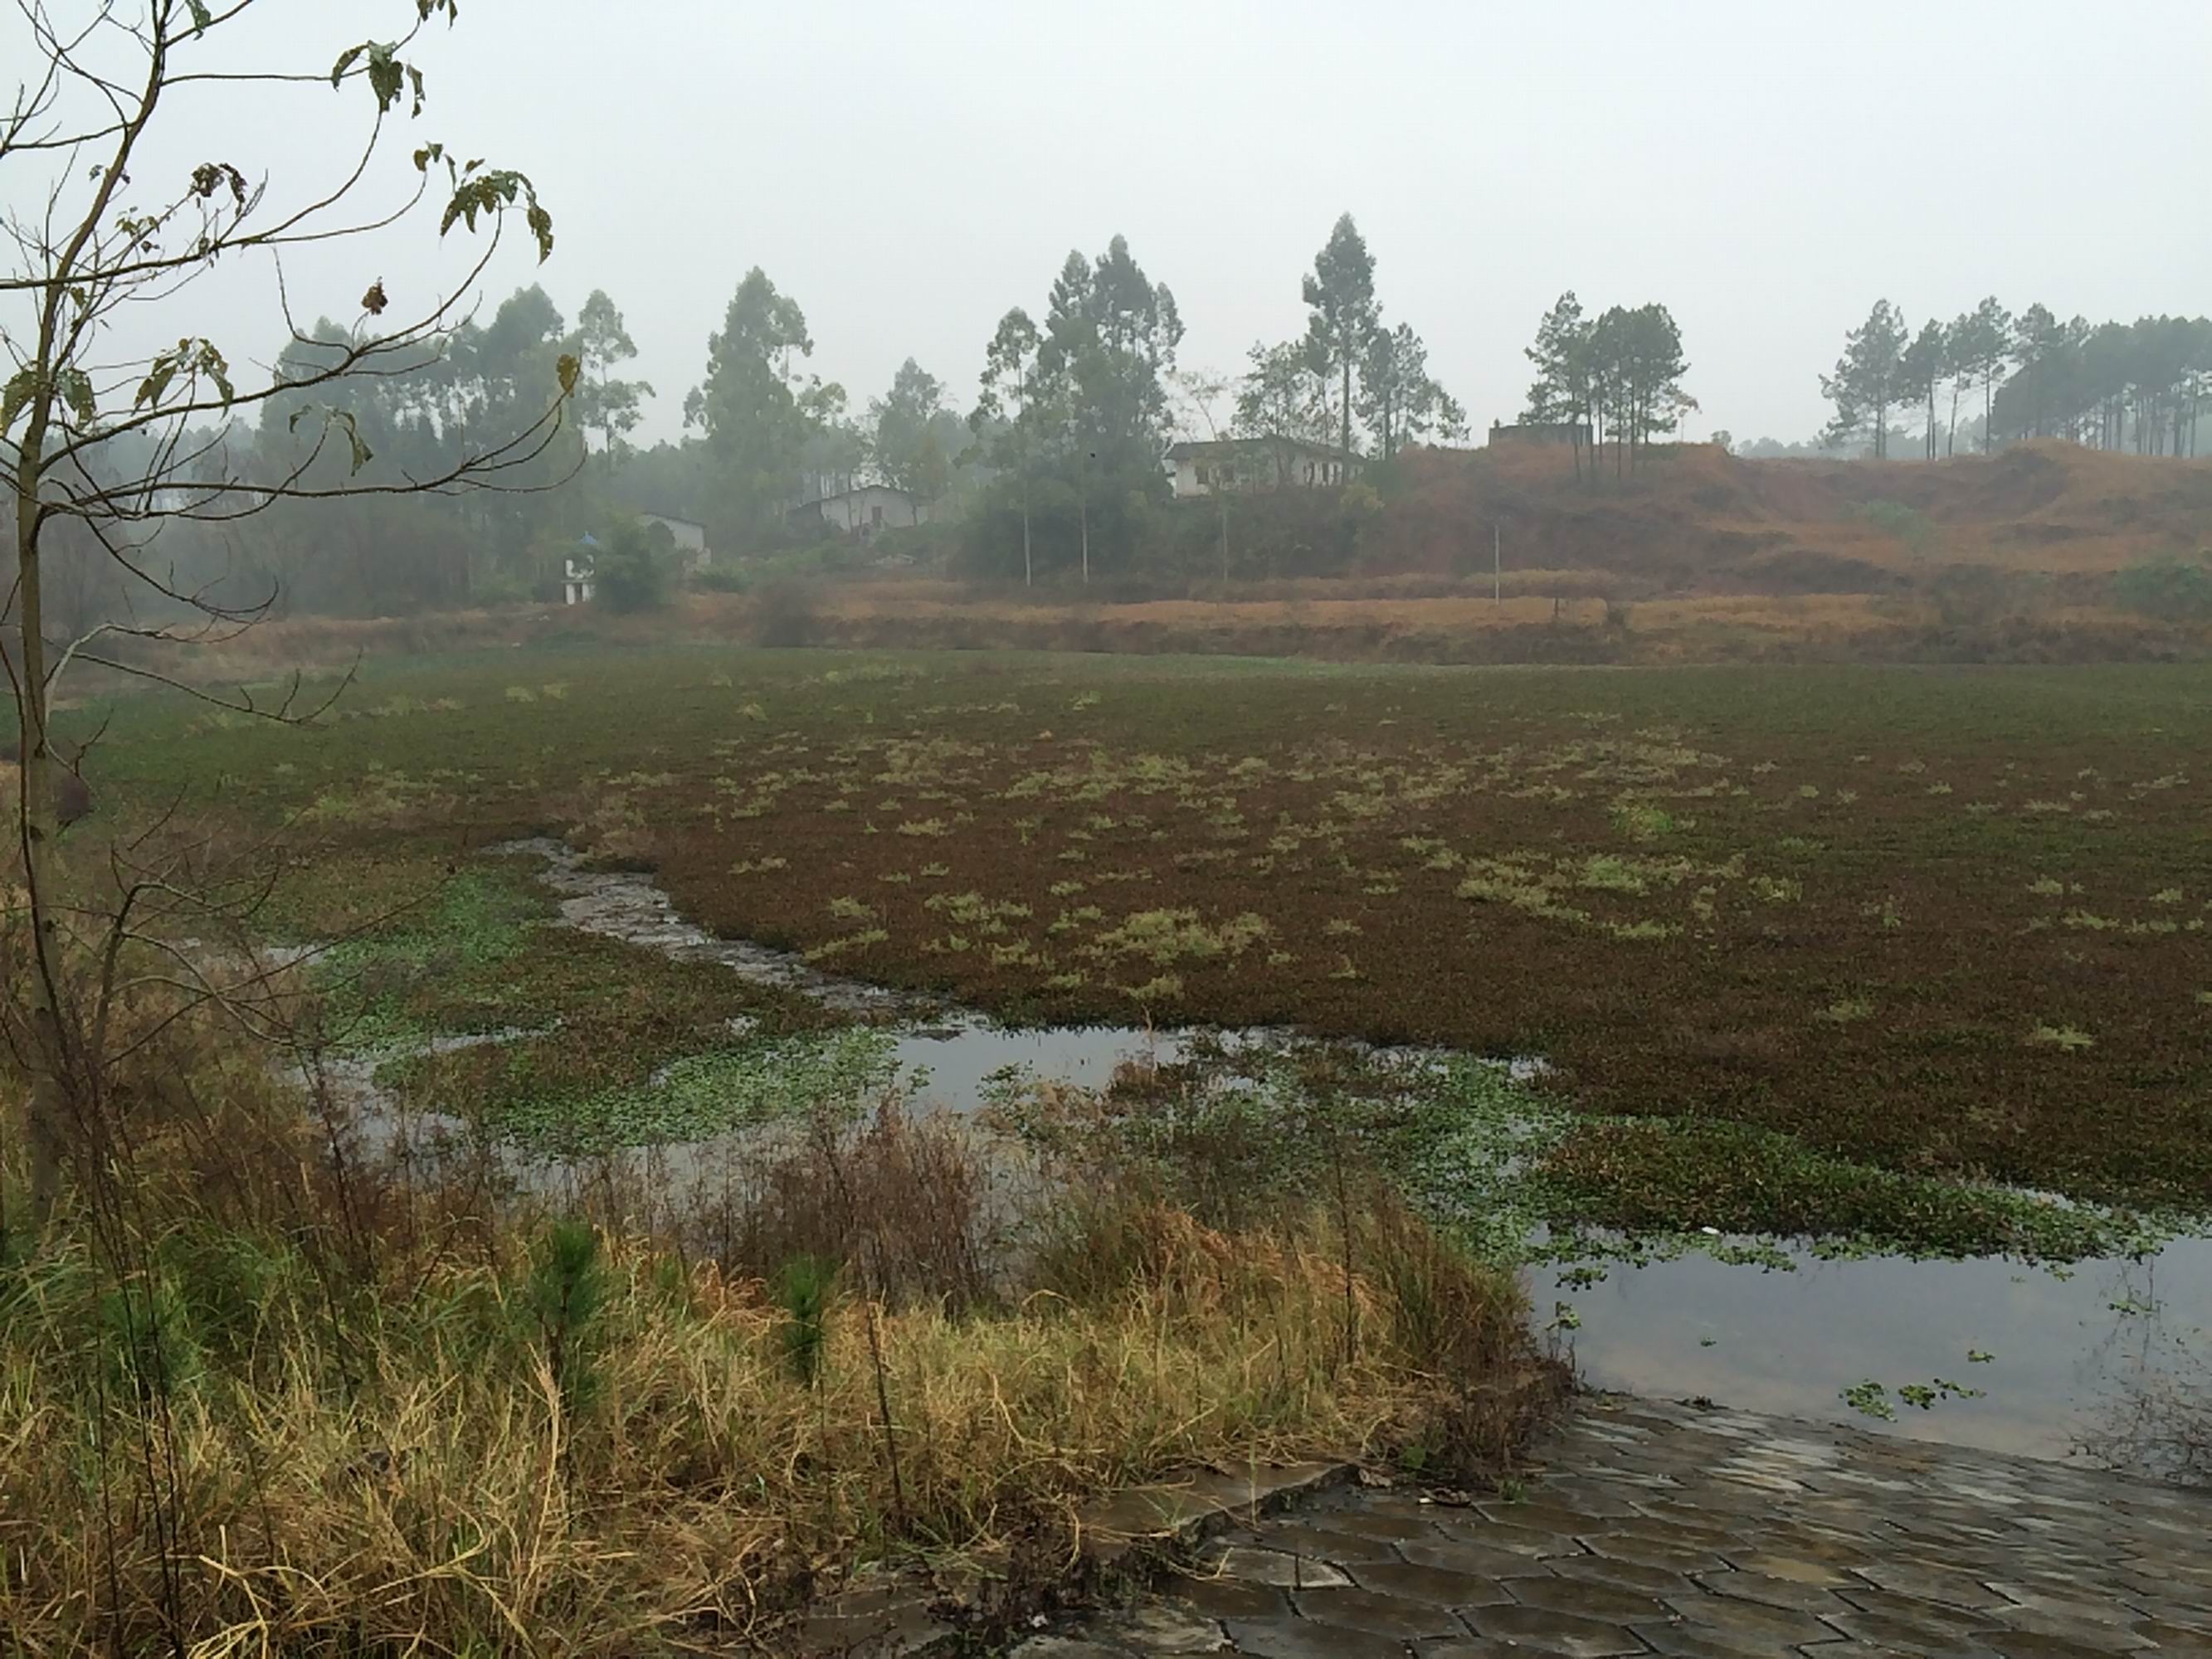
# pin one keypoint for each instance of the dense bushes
(636, 568)
(784, 614)
(2176, 590)
(1908, 524)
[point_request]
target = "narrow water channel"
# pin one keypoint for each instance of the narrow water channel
(2069, 1362)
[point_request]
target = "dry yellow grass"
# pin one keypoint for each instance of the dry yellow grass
(269, 1387)
(450, 1497)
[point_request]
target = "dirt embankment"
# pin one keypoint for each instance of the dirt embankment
(1342, 625)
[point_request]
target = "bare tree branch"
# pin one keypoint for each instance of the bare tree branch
(109, 456)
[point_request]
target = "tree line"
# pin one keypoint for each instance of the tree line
(1617, 377)
(1058, 464)
(367, 541)
(380, 548)
(2139, 385)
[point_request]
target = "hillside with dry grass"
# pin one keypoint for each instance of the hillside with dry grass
(1700, 520)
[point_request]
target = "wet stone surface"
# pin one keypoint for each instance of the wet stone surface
(1656, 1528)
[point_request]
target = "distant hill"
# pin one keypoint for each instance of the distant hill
(1699, 520)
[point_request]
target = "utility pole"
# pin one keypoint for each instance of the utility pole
(1496, 567)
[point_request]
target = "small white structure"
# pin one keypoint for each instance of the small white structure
(864, 511)
(690, 540)
(1243, 464)
(578, 571)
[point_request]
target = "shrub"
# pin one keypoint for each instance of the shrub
(567, 1289)
(801, 1288)
(1970, 594)
(784, 614)
(499, 588)
(2168, 588)
(722, 579)
(636, 569)
(1908, 524)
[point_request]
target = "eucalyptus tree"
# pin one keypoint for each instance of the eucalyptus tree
(605, 403)
(1339, 294)
(757, 410)
(909, 451)
(1006, 419)
(1106, 350)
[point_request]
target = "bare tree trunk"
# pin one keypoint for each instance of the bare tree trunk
(46, 1109)
(1345, 447)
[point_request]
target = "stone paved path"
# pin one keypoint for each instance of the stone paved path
(1664, 1530)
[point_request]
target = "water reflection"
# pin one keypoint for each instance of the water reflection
(2075, 1354)
(953, 1067)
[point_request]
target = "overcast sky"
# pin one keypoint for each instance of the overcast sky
(908, 172)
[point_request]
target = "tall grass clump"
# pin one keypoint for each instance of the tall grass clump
(280, 1392)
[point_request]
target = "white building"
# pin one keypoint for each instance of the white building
(864, 511)
(1243, 464)
(578, 571)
